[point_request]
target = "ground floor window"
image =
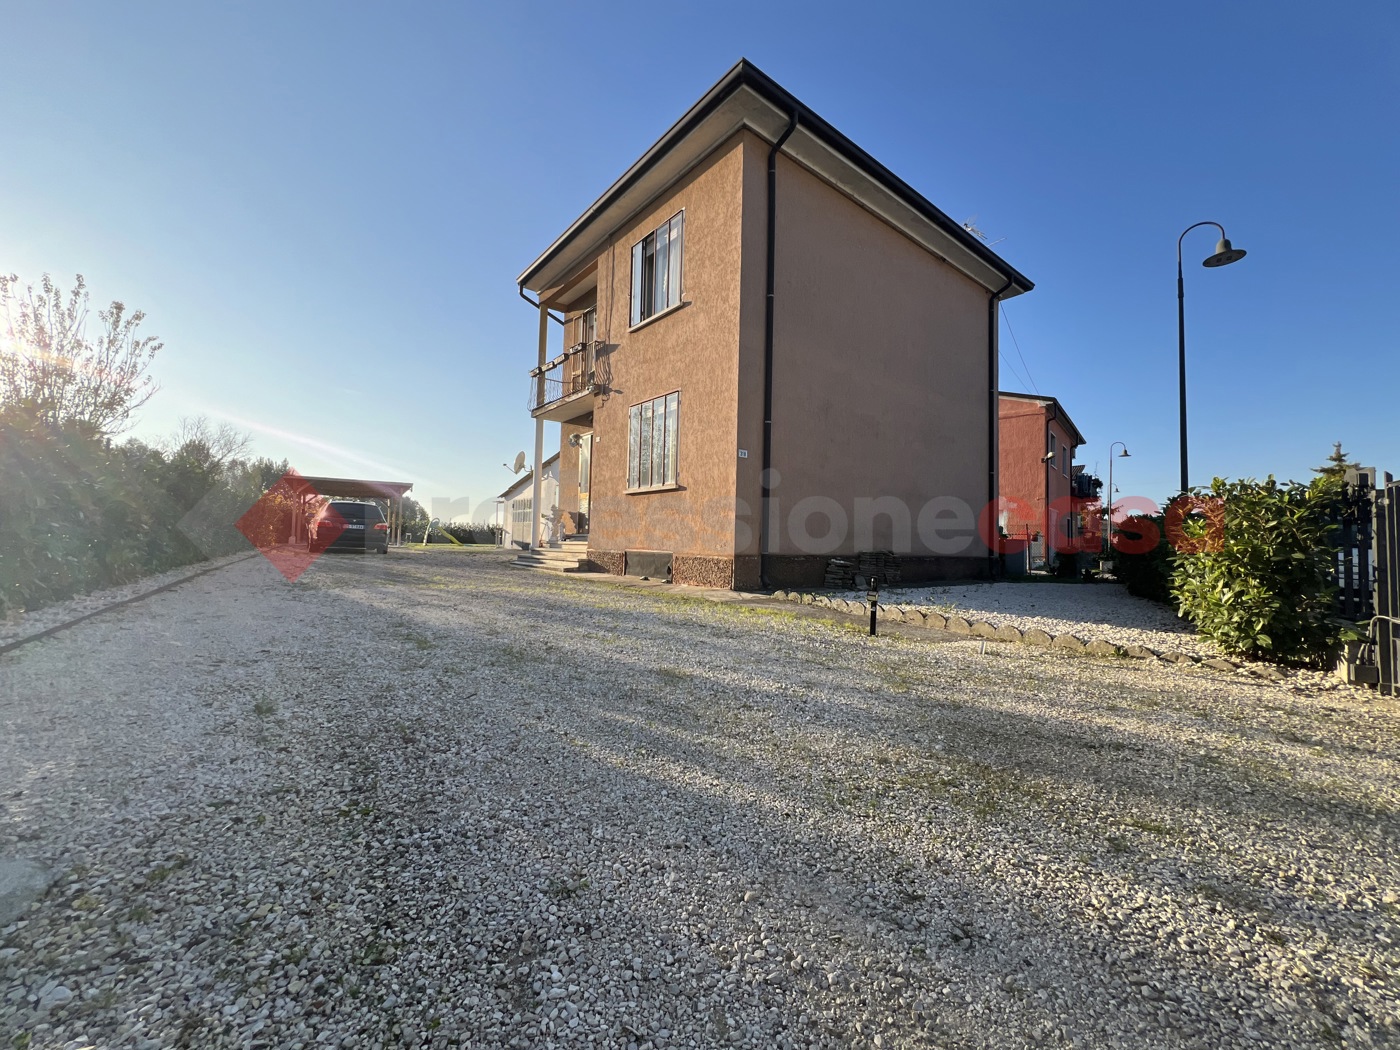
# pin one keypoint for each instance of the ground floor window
(652, 439)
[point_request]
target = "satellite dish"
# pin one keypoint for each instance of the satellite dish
(519, 463)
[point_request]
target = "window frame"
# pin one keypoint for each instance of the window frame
(650, 469)
(657, 289)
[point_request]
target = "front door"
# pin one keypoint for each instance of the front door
(585, 462)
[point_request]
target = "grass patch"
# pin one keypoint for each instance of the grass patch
(1152, 827)
(162, 872)
(264, 707)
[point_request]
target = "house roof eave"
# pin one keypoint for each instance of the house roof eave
(746, 97)
(1061, 415)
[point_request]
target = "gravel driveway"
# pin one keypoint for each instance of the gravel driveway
(430, 800)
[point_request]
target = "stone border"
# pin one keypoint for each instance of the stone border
(197, 569)
(923, 616)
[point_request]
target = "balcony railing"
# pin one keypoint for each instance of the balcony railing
(1085, 486)
(566, 377)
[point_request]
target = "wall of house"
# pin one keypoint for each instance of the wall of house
(520, 497)
(1021, 469)
(693, 350)
(880, 384)
(1025, 481)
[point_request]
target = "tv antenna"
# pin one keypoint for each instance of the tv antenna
(970, 225)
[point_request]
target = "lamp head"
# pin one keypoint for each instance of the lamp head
(1225, 254)
(1048, 457)
(1124, 454)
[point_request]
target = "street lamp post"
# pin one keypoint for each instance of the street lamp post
(1224, 255)
(1108, 544)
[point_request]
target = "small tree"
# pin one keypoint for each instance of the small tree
(224, 442)
(1336, 465)
(52, 373)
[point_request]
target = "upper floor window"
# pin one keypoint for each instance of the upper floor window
(1064, 459)
(656, 270)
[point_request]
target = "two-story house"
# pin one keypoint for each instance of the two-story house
(1040, 482)
(774, 351)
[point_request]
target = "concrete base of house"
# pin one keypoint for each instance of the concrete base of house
(742, 573)
(809, 571)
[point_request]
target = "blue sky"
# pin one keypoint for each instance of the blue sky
(322, 208)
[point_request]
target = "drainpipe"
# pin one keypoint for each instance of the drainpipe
(765, 525)
(556, 320)
(993, 424)
(1051, 414)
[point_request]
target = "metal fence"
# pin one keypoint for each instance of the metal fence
(1352, 539)
(1366, 538)
(1384, 635)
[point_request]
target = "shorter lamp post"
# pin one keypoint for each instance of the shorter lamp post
(873, 597)
(1108, 504)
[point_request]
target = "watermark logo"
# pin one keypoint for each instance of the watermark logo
(277, 525)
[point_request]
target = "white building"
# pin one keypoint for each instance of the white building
(517, 506)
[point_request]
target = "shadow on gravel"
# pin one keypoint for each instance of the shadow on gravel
(660, 695)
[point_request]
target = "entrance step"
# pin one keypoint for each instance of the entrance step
(564, 557)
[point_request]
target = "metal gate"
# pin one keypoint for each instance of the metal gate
(1384, 635)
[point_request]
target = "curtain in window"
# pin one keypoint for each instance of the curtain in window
(656, 269)
(673, 402)
(634, 447)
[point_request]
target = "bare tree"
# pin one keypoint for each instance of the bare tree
(223, 441)
(51, 370)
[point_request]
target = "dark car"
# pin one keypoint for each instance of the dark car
(344, 525)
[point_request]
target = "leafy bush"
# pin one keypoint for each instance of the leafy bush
(1146, 574)
(467, 533)
(78, 513)
(1253, 572)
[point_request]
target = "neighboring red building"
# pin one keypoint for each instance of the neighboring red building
(1036, 442)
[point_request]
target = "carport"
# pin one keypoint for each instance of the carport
(390, 493)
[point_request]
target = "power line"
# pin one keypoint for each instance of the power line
(1034, 388)
(1012, 367)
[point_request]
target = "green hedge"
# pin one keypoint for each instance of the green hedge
(1252, 568)
(78, 513)
(1146, 574)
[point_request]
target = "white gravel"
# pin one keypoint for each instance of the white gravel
(1090, 610)
(17, 625)
(435, 801)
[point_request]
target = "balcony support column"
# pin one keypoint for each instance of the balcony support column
(537, 482)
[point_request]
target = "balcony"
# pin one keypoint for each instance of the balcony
(563, 389)
(1085, 486)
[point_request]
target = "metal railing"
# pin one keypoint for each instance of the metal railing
(572, 375)
(1084, 486)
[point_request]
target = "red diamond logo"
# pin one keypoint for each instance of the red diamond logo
(283, 525)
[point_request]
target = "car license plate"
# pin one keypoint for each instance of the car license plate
(351, 525)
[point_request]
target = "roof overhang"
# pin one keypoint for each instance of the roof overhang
(520, 484)
(747, 98)
(351, 488)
